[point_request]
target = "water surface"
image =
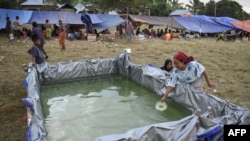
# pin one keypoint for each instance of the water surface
(85, 109)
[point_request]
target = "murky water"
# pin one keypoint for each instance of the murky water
(85, 109)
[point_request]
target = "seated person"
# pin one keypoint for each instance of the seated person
(167, 36)
(168, 66)
(222, 36)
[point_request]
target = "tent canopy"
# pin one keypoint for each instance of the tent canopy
(202, 24)
(225, 21)
(156, 20)
(24, 16)
(91, 19)
(196, 23)
(109, 21)
(243, 25)
(54, 16)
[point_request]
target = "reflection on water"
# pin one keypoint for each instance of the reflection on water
(98, 106)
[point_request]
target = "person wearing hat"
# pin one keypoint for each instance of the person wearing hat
(38, 31)
(187, 70)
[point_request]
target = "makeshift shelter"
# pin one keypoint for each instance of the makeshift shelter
(109, 21)
(156, 20)
(54, 16)
(225, 21)
(101, 21)
(243, 25)
(202, 24)
(24, 16)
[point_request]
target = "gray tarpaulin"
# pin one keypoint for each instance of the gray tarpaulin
(202, 124)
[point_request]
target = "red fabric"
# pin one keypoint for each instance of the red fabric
(182, 57)
(244, 25)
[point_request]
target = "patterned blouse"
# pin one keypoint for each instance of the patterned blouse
(193, 71)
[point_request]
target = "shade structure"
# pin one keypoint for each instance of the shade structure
(243, 25)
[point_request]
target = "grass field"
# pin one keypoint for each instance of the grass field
(227, 64)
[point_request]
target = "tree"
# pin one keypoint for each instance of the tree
(210, 8)
(160, 9)
(8, 4)
(229, 8)
(196, 6)
(175, 4)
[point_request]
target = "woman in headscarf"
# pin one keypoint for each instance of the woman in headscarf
(187, 71)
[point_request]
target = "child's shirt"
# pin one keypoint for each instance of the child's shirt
(193, 71)
(36, 52)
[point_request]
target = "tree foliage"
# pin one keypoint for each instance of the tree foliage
(160, 9)
(196, 6)
(210, 9)
(229, 8)
(8, 4)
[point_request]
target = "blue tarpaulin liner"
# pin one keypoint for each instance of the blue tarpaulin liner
(202, 124)
(24, 16)
(54, 16)
(202, 24)
(109, 21)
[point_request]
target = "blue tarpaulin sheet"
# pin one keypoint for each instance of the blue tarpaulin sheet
(196, 23)
(92, 18)
(225, 21)
(202, 24)
(109, 21)
(54, 16)
(24, 16)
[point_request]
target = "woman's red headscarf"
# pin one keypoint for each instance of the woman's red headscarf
(182, 57)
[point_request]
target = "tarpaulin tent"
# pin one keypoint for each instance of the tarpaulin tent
(156, 20)
(101, 21)
(54, 16)
(24, 16)
(109, 21)
(152, 20)
(225, 21)
(92, 18)
(243, 25)
(202, 24)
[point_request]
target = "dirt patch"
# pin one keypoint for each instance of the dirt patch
(227, 64)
